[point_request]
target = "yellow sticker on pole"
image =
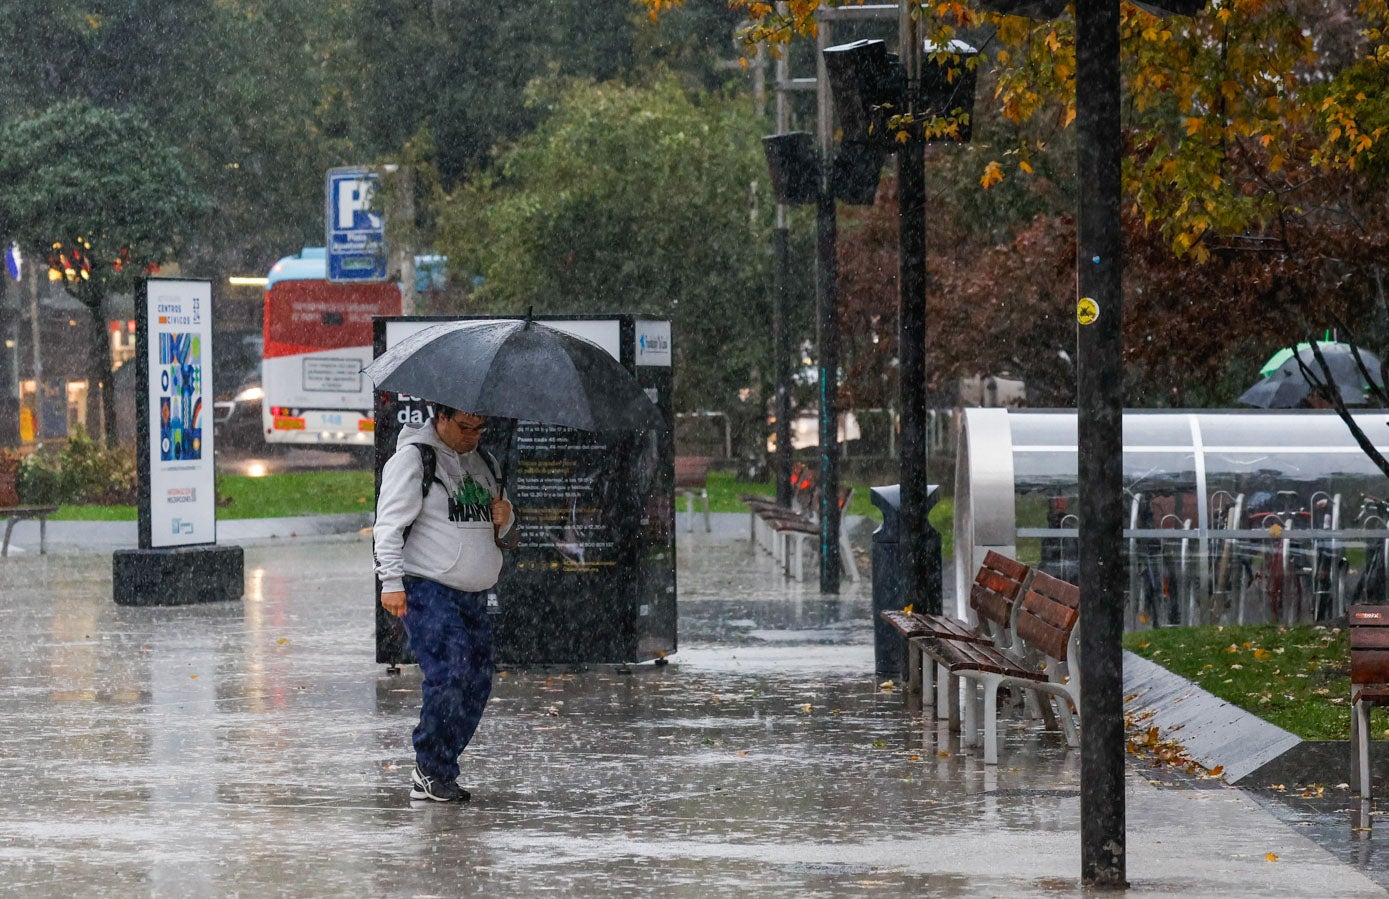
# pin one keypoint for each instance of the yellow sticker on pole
(1087, 311)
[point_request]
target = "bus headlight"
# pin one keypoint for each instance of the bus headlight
(250, 395)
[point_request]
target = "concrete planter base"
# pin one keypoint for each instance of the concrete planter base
(178, 576)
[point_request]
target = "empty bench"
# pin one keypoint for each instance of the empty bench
(15, 514)
(1044, 642)
(691, 478)
(1369, 679)
(991, 597)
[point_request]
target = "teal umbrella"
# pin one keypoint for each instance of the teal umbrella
(1276, 361)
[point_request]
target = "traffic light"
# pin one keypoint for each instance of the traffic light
(794, 164)
(867, 83)
(856, 171)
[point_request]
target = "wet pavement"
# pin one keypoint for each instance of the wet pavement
(255, 748)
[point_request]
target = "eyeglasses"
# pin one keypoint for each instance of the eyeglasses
(477, 429)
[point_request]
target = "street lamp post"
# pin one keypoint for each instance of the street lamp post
(911, 335)
(1100, 399)
(827, 327)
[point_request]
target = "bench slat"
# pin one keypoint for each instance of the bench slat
(911, 624)
(1369, 637)
(957, 657)
(1009, 568)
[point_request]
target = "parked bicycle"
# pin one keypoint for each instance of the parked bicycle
(1373, 514)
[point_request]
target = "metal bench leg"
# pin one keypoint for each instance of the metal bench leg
(990, 687)
(846, 557)
(1361, 713)
(972, 708)
(704, 495)
(689, 511)
(9, 526)
(914, 676)
(950, 688)
(929, 705)
(43, 535)
(1070, 724)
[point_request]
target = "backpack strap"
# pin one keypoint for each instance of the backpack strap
(429, 463)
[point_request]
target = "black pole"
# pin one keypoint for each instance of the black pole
(1099, 376)
(781, 275)
(911, 370)
(826, 294)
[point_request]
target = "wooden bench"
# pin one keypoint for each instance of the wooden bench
(15, 514)
(1369, 679)
(692, 477)
(795, 531)
(1046, 632)
(996, 587)
(763, 510)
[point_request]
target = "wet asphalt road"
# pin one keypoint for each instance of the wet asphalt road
(255, 748)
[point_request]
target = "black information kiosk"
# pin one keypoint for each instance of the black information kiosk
(593, 579)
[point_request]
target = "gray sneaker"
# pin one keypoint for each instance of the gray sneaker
(422, 787)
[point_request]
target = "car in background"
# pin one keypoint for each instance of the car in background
(236, 418)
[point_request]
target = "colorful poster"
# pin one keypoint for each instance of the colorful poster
(174, 323)
(180, 396)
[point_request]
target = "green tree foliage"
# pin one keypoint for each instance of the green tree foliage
(461, 67)
(630, 198)
(101, 197)
(234, 84)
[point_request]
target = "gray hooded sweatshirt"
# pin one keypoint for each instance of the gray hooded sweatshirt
(452, 541)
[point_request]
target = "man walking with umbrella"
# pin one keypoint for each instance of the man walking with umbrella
(442, 520)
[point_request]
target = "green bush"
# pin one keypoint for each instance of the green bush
(81, 473)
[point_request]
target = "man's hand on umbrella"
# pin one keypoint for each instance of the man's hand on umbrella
(394, 602)
(501, 514)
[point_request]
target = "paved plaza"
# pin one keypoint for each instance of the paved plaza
(255, 748)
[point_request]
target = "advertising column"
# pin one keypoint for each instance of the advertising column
(177, 355)
(177, 561)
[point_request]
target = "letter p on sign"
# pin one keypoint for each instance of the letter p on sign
(354, 196)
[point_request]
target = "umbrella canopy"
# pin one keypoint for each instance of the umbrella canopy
(1285, 387)
(1276, 361)
(517, 368)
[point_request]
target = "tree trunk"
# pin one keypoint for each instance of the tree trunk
(96, 338)
(101, 397)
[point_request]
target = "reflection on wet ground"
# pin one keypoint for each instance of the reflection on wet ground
(255, 748)
(257, 462)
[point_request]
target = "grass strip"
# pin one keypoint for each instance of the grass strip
(274, 496)
(1295, 677)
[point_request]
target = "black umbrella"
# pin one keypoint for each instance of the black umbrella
(517, 368)
(1286, 387)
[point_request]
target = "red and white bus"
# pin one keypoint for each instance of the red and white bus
(317, 340)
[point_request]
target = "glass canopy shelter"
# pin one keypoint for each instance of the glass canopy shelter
(1231, 516)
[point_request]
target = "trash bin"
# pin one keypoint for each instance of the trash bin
(889, 657)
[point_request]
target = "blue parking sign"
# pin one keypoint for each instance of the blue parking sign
(356, 235)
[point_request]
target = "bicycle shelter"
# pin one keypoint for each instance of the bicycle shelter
(1231, 516)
